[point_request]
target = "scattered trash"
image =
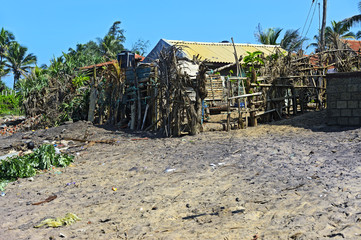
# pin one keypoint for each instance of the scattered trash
(114, 189)
(69, 219)
(61, 235)
(31, 179)
(71, 183)
(255, 237)
(133, 169)
(137, 139)
(213, 165)
(168, 170)
(49, 199)
(57, 150)
(212, 214)
(105, 220)
(11, 154)
(30, 145)
(3, 194)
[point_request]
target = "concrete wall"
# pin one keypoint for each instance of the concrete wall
(344, 99)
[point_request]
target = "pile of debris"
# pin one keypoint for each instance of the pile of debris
(11, 125)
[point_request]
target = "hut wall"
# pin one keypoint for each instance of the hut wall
(344, 99)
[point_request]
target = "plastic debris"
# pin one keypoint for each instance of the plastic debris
(168, 170)
(30, 145)
(3, 194)
(69, 219)
(57, 150)
(9, 155)
(114, 189)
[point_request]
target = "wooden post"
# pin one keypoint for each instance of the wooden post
(92, 98)
(294, 100)
(228, 105)
(288, 101)
(252, 114)
(132, 116)
(240, 123)
(138, 97)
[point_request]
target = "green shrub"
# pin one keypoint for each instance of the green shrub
(26, 166)
(10, 104)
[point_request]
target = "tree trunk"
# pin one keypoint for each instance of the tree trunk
(322, 39)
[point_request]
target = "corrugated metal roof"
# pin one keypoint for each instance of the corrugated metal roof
(221, 52)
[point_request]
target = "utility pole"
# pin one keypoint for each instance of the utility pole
(322, 33)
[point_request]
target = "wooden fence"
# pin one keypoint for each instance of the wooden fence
(7, 92)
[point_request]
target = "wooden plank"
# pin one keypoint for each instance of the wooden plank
(265, 112)
(246, 95)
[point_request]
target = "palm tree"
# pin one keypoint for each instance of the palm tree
(354, 19)
(110, 46)
(291, 41)
(333, 34)
(5, 38)
(18, 61)
(3, 71)
(269, 36)
(358, 35)
(117, 32)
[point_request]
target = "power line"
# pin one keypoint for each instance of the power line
(311, 19)
(308, 15)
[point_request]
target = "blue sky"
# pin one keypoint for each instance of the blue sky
(49, 27)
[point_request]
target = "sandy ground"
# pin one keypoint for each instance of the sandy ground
(296, 179)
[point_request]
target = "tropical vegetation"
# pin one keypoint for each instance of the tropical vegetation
(18, 61)
(6, 38)
(291, 41)
(352, 21)
(43, 158)
(333, 36)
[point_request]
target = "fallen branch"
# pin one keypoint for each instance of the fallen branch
(49, 199)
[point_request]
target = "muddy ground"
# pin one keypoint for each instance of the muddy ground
(295, 179)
